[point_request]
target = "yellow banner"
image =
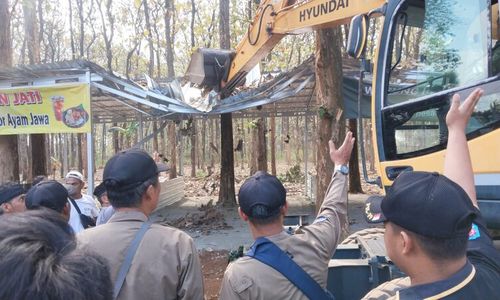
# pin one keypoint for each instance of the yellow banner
(63, 108)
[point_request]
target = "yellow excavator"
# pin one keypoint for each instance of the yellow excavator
(427, 50)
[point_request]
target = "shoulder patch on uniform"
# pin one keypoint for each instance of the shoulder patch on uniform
(240, 284)
(320, 219)
(474, 232)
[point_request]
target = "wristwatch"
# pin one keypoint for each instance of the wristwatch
(342, 169)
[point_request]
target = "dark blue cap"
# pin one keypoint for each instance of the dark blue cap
(261, 196)
(425, 203)
(130, 168)
(100, 190)
(9, 191)
(50, 194)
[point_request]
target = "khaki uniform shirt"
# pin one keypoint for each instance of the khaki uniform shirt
(248, 278)
(165, 266)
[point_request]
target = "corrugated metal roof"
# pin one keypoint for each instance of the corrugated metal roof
(117, 99)
(114, 98)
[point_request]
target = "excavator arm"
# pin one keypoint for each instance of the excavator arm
(275, 19)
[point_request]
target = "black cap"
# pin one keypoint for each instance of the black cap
(130, 168)
(99, 190)
(425, 203)
(10, 191)
(50, 194)
(261, 196)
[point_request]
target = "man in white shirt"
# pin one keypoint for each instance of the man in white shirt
(74, 184)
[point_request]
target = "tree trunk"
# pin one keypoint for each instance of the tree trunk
(149, 37)
(227, 195)
(261, 145)
(116, 140)
(243, 148)
(193, 148)
(155, 136)
(331, 123)
(255, 149)
(108, 30)
(287, 142)
(204, 133)
(103, 145)
(71, 32)
(297, 141)
(39, 153)
(180, 154)
(193, 14)
(169, 38)
(273, 145)
(80, 140)
(85, 171)
(354, 177)
(173, 150)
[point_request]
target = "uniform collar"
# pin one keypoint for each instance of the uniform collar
(279, 236)
(442, 288)
(123, 216)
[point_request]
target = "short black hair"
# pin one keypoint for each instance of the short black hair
(130, 198)
(39, 260)
(440, 249)
(268, 217)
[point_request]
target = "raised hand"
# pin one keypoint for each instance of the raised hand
(342, 155)
(459, 114)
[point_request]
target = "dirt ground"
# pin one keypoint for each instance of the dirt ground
(213, 265)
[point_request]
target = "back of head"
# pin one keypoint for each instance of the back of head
(261, 198)
(128, 174)
(49, 194)
(39, 260)
(434, 210)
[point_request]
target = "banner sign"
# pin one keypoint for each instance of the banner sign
(56, 109)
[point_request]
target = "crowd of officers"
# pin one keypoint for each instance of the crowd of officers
(50, 247)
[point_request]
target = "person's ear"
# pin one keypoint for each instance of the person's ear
(66, 212)
(406, 242)
(284, 209)
(7, 207)
(243, 216)
(151, 192)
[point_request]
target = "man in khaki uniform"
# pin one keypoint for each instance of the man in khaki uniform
(262, 200)
(166, 263)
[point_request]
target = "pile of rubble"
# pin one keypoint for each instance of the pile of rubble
(208, 219)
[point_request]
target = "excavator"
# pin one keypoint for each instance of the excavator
(426, 51)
